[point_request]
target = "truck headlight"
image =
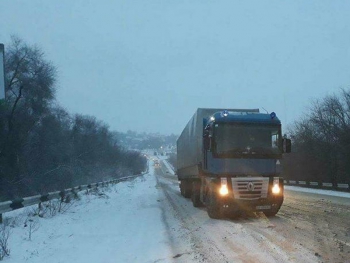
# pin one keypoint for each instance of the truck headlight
(276, 189)
(223, 189)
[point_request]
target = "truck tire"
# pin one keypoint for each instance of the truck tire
(270, 213)
(213, 207)
(186, 189)
(195, 196)
(275, 210)
(182, 189)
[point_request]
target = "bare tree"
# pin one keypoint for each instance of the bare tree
(42, 147)
(322, 139)
(30, 89)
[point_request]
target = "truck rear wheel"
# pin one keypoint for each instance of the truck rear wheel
(181, 189)
(195, 197)
(188, 190)
(185, 188)
(213, 206)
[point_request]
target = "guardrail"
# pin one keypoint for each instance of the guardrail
(66, 193)
(320, 185)
(168, 166)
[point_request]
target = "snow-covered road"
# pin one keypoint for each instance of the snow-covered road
(147, 220)
(197, 238)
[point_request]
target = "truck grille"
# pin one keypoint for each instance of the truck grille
(250, 188)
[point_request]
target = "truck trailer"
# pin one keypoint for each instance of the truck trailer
(226, 161)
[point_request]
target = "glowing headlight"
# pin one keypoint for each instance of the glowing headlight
(276, 189)
(223, 189)
(276, 186)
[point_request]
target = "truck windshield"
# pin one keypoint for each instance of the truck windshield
(247, 139)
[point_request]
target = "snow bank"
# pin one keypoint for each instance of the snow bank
(123, 226)
(317, 191)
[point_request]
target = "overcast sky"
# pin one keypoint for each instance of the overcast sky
(147, 65)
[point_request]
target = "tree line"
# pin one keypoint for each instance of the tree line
(43, 147)
(321, 142)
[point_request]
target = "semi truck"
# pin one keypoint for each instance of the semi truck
(227, 161)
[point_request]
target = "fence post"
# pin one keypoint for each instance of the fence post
(0, 218)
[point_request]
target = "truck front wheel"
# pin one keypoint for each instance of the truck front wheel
(275, 208)
(270, 213)
(213, 206)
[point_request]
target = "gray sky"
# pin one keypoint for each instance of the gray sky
(147, 65)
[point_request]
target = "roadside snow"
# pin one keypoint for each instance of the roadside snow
(125, 225)
(317, 191)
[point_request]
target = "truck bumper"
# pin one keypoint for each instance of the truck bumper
(269, 204)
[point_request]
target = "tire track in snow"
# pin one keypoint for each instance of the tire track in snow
(203, 246)
(257, 239)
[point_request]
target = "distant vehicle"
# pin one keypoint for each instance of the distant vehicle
(226, 160)
(156, 163)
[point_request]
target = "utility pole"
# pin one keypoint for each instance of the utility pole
(2, 72)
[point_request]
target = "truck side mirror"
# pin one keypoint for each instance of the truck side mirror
(287, 145)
